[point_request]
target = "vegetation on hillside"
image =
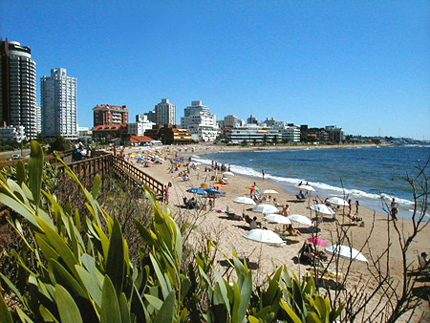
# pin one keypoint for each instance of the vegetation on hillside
(66, 263)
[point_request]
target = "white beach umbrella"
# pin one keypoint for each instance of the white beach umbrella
(337, 201)
(300, 219)
(346, 252)
(305, 188)
(228, 173)
(264, 236)
(270, 192)
(277, 218)
(265, 208)
(244, 200)
(322, 208)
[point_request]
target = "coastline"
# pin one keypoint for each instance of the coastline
(374, 196)
(229, 233)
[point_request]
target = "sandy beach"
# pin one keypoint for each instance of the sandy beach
(213, 223)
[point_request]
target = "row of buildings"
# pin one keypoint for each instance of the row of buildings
(21, 116)
(200, 124)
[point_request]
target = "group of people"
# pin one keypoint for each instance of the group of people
(191, 203)
(355, 216)
(309, 255)
(220, 167)
(81, 152)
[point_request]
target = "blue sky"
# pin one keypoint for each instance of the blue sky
(361, 65)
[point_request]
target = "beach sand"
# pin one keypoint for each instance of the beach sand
(229, 233)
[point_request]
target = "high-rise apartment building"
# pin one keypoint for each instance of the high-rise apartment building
(58, 104)
(165, 112)
(18, 104)
(105, 114)
(200, 121)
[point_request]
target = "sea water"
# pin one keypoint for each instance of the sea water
(371, 175)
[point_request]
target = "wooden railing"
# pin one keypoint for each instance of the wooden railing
(86, 169)
(105, 164)
(134, 175)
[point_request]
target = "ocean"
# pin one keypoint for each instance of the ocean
(371, 175)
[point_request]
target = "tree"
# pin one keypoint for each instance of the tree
(60, 144)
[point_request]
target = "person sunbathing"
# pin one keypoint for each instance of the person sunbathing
(292, 231)
(253, 223)
(285, 210)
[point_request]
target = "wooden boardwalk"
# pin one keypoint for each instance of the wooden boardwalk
(106, 164)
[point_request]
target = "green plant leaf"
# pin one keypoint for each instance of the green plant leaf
(19, 208)
(246, 291)
(154, 301)
(220, 292)
(293, 316)
(110, 312)
(47, 315)
(144, 233)
(59, 275)
(23, 317)
(167, 311)
(35, 168)
(124, 308)
(185, 286)
(91, 284)
(97, 182)
(67, 308)
(115, 262)
(59, 245)
(45, 247)
(20, 173)
(160, 275)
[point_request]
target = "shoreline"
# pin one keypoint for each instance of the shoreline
(372, 200)
(228, 233)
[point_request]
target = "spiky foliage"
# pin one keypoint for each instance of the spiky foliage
(76, 268)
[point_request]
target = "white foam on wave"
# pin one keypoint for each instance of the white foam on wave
(324, 188)
(201, 160)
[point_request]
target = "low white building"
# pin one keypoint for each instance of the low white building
(200, 121)
(251, 133)
(291, 133)
(139, 127)
(84, 132)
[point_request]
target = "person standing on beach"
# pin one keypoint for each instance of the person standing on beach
(263, 173)
(167, 192)
(252, 190)
(394, 209)
(349, 207)
(356, 207)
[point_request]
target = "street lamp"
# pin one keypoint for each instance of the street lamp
(20, 136)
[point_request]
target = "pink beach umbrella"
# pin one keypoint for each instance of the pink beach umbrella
(318, 241)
